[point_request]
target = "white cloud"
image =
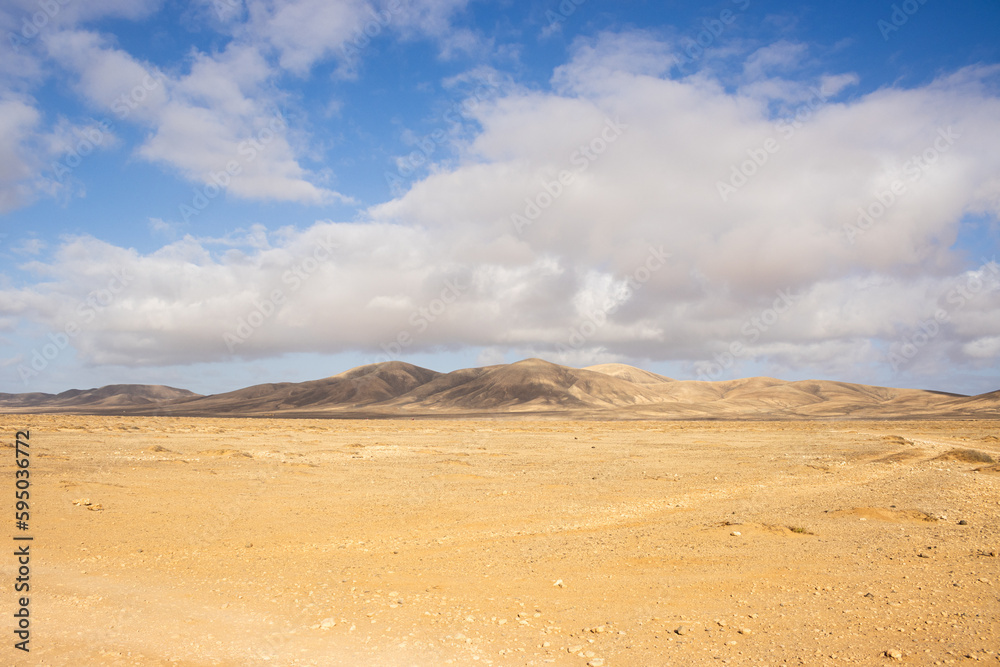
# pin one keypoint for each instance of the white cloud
(18, 120)
(645, 155)
(305, 32)
(218, 124)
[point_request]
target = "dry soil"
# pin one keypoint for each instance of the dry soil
(179, 541)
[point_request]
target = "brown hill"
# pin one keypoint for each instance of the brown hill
(529, 385)
(110, 396)
(357, 387)
(532, 386)
(630, 373)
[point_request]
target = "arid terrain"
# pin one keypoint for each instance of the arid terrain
(196, 541)
(532, 387)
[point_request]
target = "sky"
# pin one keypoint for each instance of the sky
(219, 193)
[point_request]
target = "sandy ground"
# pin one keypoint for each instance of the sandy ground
(295, 542)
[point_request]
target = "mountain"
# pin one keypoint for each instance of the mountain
(630, 373)
(528, 387)
(358, 387)
(112, 396)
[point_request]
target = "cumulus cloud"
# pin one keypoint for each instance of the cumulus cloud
(221, 122)
(622, 215)
(218, 125)
(305, 32)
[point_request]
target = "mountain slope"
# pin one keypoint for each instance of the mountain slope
(357, 387)
(110, 396)
(531, 386)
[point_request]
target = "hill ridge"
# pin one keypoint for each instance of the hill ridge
(527, 387)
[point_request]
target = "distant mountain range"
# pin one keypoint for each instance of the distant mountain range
(529, 387)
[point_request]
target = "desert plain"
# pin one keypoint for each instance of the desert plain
(196, 541)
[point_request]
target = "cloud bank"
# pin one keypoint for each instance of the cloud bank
(627, 213)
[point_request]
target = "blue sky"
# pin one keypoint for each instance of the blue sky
(220, 193)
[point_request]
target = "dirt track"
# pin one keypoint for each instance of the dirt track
(299, 542)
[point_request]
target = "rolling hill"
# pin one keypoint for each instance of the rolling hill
(528, 387)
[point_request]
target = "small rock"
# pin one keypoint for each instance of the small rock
(735, 533)
(596, 662)
(575, 649)
(682, 630)
(963, 522)
(599, 629)
(894, 654)
(731, 642)
(746, 631)
(559, 583)
(327, 623)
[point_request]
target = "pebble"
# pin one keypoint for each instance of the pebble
(682, 630)
(894, 654)
(596, 662)
(735, 533)
(745, 631)
(963, 522)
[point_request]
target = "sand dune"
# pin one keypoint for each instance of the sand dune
(528, 387)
